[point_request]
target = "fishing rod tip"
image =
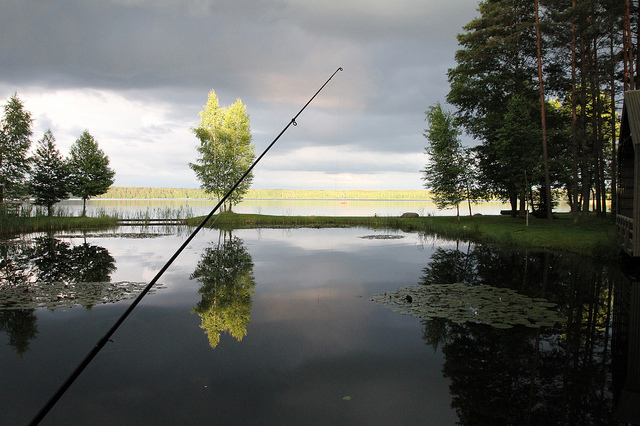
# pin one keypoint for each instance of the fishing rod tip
(340, 69)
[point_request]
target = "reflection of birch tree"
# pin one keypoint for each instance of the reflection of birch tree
(225, 271)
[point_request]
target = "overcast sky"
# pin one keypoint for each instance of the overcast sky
(135, 74)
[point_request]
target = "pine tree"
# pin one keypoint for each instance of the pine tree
(49, 181)
(15, 134)
(496, 62)
(89, 170)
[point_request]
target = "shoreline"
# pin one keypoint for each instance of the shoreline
(593, 237)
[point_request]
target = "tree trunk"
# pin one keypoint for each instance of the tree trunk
(597, 140)
(545, 157)
(575, 208)
(627, 47)
(584, 166)
(513, 200)
(614, 157)
(526, 184)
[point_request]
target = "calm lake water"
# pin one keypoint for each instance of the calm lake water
(284, 207)
(278, 327)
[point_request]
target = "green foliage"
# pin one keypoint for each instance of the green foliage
(11, 224)
(497, 60)
(448, 173)
(15, 134)
(494, 86)
(49, 182)
(90, 174)
(515, 156)
(225, 151)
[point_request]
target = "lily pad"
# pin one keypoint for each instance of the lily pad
(382, 237)
(459, 303)
(66, 295)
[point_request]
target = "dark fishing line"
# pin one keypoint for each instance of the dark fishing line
(103, 341)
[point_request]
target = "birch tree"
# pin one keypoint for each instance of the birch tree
(225, 151)
(446, 173)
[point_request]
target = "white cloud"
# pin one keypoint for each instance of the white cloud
(141, 139)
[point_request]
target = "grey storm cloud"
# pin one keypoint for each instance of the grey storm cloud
(271, 54)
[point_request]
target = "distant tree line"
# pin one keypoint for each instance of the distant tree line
(46, 176)
(116, 192)
(539, 85)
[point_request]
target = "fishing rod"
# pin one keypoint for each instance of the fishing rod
(107, 337)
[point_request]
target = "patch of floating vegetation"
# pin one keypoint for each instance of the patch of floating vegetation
(493, 306)
(116, 235)
(66, 295)
(382, 237)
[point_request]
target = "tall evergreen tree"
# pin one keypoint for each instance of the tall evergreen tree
(89, 170)
(49, 182)
(543, 113)
(586, 37)
(15, 140)
(580, 54)
(518, 146)
(497, 61)
(225, 151)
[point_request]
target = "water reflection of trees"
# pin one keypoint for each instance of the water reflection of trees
(626, 345)
(21, 325)
(523, 375)
(47, 259)
(225, 271)
(46, 271)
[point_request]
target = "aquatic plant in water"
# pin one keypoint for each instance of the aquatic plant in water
(497, 307)
(66, 295)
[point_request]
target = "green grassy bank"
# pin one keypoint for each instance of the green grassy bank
(21, 225)
(593, 237)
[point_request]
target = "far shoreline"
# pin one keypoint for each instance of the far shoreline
(150, 193)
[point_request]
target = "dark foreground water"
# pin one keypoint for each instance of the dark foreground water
(277, 327)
